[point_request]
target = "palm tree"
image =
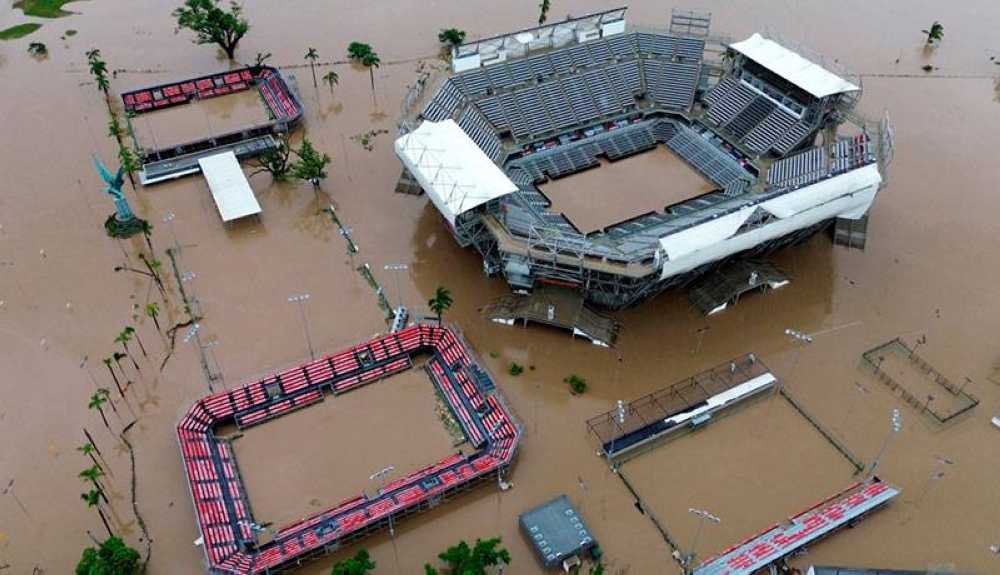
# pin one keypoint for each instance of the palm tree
(312, 55)
(451, 37)
(441, 302)
(544, 14)
(371, 61)
(123, 338)
(147, 229)
(92, 474)
(130, 331)
(93, 499)
(89, 450)
(331, 78)
(97, 402)
(153, 310)
(107, 361)
(935, 33)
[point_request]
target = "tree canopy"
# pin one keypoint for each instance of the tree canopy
(213, 25)
(358, 50)
(451, 36)
(112, 558)
(441, 302)
(360, 564)
(463, 560)
(311, 164)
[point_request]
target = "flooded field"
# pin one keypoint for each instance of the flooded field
(596, 198)
(929, 269)
(200, 119)
(297, 465)
(751, 469)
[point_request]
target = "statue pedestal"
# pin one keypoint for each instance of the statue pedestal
(123, 228)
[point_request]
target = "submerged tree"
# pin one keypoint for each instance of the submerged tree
(312, 55)
(113, 557)
(358, 50)
(93, 499)
(463, 560)
(123, 338)
(311, 165)
(276, 161)
(543, 14)
(107, 361)
(935, 33)
(97, 401)
(153, 310)
(371, 61)
(331, 79)
(360, 564)
(38, 49)
(451, 37)
(441, 302)
(213, 25)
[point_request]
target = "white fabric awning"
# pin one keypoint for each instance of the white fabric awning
(451, 168)
(864, 179)
(705, 234)
(811, 77)
(230, 189)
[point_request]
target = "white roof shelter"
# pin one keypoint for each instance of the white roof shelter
(451, 168)
(230, 189)
(811, 77)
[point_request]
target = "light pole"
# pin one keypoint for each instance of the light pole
(397, 268)
(298, 299)
(193, 334)
(169, 219)
(895, 429)
(9, 490)
(935, 475)
(617, 422)
(378, 475)
(702, 516)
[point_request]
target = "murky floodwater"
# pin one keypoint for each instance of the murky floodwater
(593, 200)
(200, 119)
(929, 270)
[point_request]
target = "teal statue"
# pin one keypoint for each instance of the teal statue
(122, 223)
(122, 209)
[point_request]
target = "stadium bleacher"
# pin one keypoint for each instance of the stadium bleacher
(224, 515)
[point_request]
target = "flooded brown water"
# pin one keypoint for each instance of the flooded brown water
(199, 119)
(929, 269)
(298, 465)
(596, 199)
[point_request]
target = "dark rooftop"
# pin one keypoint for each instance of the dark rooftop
(556, 531)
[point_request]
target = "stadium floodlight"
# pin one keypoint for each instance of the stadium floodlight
(702, 516)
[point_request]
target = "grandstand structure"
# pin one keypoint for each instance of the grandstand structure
(283, 107)
(774, 128)
(235, 544)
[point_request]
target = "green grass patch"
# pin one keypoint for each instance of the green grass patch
(43, 8)
(19, 31)
(69, 33)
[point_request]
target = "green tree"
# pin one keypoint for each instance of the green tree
(360, 564)
(93, 475)
(93, 499)
(113, 557)
(358, 50)
(311, 164)
(213, 25)
(132, 333)
(462, 560)
(97, 401)
(107, 361)
(935, 33)
(37, 49)
(153, 310)
(89, 450)
(331, 79)
(441, 302)
(371, 61)
(544, 7)
(276, 161)
(451, 36)
(123, 338)
(312, 55)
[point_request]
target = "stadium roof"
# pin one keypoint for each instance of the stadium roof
(451, 168)
(811, 77)
(556, 530)
(230, 189)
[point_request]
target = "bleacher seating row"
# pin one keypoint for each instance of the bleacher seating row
(220, 501)
(797, 169)
(705, 157)
(165, 95)
(282, 104)
(754, 118)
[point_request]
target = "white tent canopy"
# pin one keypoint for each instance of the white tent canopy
(451, 168)
(811, 77)
(230, 189)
